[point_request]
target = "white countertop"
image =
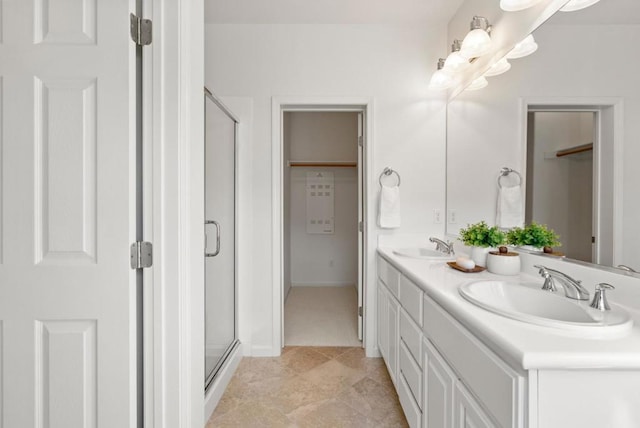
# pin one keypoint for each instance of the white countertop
(523, 345)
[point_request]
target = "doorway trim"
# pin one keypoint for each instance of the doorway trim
(279, 105)
(598, 105)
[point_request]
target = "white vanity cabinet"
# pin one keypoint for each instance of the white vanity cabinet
(444, 376)
(461, 367)
(498, 387)
(388, 323)
(438, 389)
(467, 411)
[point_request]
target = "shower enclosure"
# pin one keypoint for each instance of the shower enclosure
(220, 235)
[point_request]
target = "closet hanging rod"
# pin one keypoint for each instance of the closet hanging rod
(574, 150)
(329, 164)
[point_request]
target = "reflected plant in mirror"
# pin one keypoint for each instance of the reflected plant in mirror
(536, 236)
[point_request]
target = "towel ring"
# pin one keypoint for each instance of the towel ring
(387, 172)
(506, 171)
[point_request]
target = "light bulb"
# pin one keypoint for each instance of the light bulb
(456, 63)
(499, 67)
(516, 5)
(477, 42)
(574, 5)
(479, 83)
(524, 48)
(440, 79)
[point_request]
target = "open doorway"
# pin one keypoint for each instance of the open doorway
(562, 189)
(571, 177)
(322, 215)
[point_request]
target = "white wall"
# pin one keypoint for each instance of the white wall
(392, 64)
(318, 259)
(486, 127)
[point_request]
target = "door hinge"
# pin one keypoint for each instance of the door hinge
(141, 30)
(141, 255)
(360, 311)
(360, 141)
(360, 226)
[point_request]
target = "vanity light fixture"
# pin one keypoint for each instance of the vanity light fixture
(524, 48)
(456, 63)
(516, 5)
(577, 5)
(499, 67)
(477, 42)
(479, 83)
(440, 79)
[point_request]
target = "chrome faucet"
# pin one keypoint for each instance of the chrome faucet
(573, 288)
(445, 247)
(627, 268)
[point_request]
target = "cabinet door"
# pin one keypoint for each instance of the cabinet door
(438, 390)
(394, 337)
(468, 413)
(383, 322)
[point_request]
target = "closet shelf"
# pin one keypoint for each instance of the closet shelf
(574, 150)
(330, 164)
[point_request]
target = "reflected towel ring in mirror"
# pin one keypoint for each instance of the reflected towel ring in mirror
(505, 172)
(387, 172)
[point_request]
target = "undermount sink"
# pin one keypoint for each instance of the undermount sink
(528, 303)
(423, 253)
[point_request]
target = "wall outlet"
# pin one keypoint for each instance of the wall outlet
(452, 216)
(437, 216)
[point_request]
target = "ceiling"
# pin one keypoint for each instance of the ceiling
(605, 12)
(329, 11)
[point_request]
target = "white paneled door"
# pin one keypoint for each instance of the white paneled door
(67, 147)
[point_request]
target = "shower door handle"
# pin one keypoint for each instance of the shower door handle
(217, 225)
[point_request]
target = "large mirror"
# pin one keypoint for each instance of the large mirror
(578, 94)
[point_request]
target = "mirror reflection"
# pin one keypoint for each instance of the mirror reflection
(566, 119)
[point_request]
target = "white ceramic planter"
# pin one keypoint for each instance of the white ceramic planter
(503, 264)
(479, 255)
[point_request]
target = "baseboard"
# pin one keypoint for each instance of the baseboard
(323, 284)
(216, 390)
(265, 351)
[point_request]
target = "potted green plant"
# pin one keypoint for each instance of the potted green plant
(482, 239)
(537, 237)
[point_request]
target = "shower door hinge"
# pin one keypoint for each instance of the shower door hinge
(141, 255)
(360, 226)
(359, 311)
(141, 30)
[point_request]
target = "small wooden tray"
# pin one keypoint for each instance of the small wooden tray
(461, 269)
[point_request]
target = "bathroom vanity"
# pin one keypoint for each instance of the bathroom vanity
(456, 364)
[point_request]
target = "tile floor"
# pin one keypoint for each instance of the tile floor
(310, 387)
(321, 316)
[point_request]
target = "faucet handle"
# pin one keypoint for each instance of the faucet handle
(600, 298)
(542, 270)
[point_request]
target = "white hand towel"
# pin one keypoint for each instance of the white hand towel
(509, 212)
(389, 215)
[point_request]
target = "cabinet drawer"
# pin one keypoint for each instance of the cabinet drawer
(411, 410)
(499, 387)
(412, 373)
(411, 299)
(411, 334)
(389, 276)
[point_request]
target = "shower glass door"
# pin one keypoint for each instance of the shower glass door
(220, 235)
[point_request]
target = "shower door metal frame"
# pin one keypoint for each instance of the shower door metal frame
(234, 345)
